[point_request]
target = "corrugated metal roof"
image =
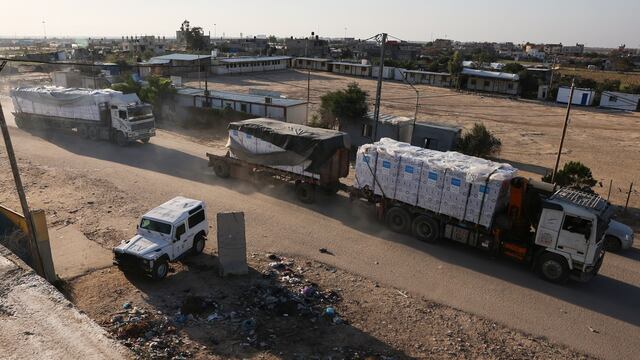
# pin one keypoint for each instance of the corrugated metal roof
(424, 72)
(248, 98)
(350, 64)
(390, 119)
(180, 57)
(313, 59)
(490, 74)
(253, 58)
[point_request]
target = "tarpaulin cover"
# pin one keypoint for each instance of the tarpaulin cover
(299, 142)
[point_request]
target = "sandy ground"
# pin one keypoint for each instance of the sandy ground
(606, 141)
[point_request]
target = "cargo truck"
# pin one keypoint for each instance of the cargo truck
(440, 195)
(94, 114)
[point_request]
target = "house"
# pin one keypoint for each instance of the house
(573, 50)
(287, 110)
(491, 81)
(250, 64)
(552, 49)
(387, 72)
(318, 64)
(307, 47)
(176, 65)
(137, 45)
(354, 69)
(426, 135)
(619, 101)
(582, 97)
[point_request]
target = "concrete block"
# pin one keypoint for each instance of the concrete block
(232, 245)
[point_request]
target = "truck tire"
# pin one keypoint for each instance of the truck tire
(83, 132)
(198, 244)
(160, 269)
(93, 133)
(145, 140)
(612, 244)
(120, 139)
(222, 169)
(425, 228)
(306, 192)
(398, 220)
(553, 268)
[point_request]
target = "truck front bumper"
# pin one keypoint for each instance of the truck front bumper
(588, 272)
(141, 135)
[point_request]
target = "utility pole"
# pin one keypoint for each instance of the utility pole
(21, 194)
(376, 112)
(415, 117)
(553, 64)
(306, 54)
(564, 131)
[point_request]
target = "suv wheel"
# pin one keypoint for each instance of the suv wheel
(553, 268)
(198, 244)
(160, 269)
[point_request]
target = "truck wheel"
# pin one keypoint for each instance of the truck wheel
(120, 139)
(83, 132)
(553, 268)
(425, 228)
(160, 269)
(398, 220)
(306, 192)
(93, 133)
(612, 244)
(221, 169)
(145, 140)
(198, 244)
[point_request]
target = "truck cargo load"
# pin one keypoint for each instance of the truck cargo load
(289, 147)
(449, 183)
(96, 114)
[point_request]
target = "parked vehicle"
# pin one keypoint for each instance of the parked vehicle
(94, 114)
(167, 233)
(618, 237)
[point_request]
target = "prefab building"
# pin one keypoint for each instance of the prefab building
(318, 64)
(491, 81)
(176, 64)
(249, 64)
(387, 72)
(353, 69)
(619, 101)
(428, 78)
(287, 110)
(389, 126)
(583, 97)
(435, 137)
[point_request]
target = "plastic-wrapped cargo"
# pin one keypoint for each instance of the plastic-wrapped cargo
(290, 147)
(449, 183)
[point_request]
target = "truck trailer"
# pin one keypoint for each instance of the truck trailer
(94, 114)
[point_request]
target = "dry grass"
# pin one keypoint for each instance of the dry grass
(630, 78)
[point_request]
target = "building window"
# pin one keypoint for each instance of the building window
(613, 99)
(487, 83)
(510, 86)
(366, 130)
(472, 82)
(243, 107)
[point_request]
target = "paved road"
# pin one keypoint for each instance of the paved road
(450, 274)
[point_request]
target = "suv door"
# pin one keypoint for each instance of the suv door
(575, 235)
(178, 240)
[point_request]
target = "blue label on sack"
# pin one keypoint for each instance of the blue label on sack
(408, 169)
(235, 132)
(483, 189)
(433, 176)
(455, 182)
(366, 158)
(386, 164)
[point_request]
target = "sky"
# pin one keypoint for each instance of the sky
(595, 23)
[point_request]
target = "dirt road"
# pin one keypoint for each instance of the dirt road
(103, 189)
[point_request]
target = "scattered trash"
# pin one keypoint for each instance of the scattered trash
(308, 291)
(197, 305)
(325, 251)
(249, 326)
(402, 293)
(329, 312)
(180, 319)
(593, 330)
(126, 305)
(273, 257)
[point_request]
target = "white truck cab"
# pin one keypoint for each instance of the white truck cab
(131, 119)
(571, 233)
(167, 233)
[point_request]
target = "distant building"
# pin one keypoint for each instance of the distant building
(318, 64)
(138, 45)
(181, 35)
(249, 64)
(75, 79)
(430, 136)
(573, 50)
(308, 47)
(490, 81)
(619, 101)
(353, 69)
(176, 65)
(287, 110)
(426, 77)
(250, 46)
(552, 49)
(582, 97)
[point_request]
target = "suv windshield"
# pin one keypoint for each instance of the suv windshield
(140, 112)
(156, 226)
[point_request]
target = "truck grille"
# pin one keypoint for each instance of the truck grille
(142, 126)
(128, 260)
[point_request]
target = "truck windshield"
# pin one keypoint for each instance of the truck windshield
(156, 226)
(139, 112)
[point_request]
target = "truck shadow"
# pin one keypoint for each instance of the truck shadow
(237, 299)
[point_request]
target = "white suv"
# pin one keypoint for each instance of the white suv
(167, 233)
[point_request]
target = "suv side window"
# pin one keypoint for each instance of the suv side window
(577, 225)
(179, 231)
(196, 218)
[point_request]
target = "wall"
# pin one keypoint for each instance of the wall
(248, 67)
(297, 114)
(499, 86)
(310, 64)
(579, 95)
(353, 70)
(442, 139)
(619, 101)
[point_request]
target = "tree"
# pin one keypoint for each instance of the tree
(574, 174)
(455, 67)
(195, 39)
(128, 86)
(513, 68)
(479, 142)
(344, 105)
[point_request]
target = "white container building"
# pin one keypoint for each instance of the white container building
(583, 97)
(619, 101)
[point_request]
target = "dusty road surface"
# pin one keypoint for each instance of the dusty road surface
(102, 189)
(606, 141)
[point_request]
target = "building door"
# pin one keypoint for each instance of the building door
(585, 98)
